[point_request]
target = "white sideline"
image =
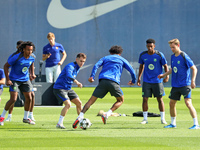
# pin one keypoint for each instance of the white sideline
(54, 106)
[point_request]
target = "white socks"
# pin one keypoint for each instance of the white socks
(108, 114)
(31, 114)
(81, 115)
(60, 122)
(26, 114)
(195, 120)
(162, 115)
(10, 115)
(173, 120)
(3, 113)
(145, 113)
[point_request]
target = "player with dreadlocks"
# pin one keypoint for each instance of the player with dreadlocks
(32, 93)
(19, 78)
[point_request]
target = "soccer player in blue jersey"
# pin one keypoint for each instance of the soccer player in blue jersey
(2, 81)
(151, 62)
(62, 87)
(109, 81)
(51, 54)
(181, 82)
(19, 78)
(32, 93)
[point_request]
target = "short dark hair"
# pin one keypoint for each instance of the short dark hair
(27, 43)
(19, 42)
(81, 55)
(150, 41)
(116, 49)
(18, 45)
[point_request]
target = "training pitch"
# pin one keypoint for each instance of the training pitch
(124, 132)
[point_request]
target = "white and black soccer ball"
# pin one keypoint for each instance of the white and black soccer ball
(85, 123)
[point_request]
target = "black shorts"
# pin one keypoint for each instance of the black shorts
(156, 89)
(176, 92)
(22, 86)
(106, 86)
(63, 95)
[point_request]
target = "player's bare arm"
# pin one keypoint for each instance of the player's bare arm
(130, 82)
(45, 56)
(194, 74)
(165, 74)
(32, 72)
(166, 79)
(141, 69)
(91, 79)
(78, 83)
(63, 58)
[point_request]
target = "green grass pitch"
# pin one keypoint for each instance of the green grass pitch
(119, 132)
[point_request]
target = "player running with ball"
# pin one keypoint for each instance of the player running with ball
(109, 81)
(62, 87)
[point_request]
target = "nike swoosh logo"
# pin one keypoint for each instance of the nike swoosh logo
(61, 17)
(86, 66)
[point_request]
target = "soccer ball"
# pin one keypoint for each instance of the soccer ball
(85, 123)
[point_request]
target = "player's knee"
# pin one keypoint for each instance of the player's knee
(13, 100)
(145, 99)
(188, 104)
(171, 104)
(121, 99)
(67, 103)
(80, 103)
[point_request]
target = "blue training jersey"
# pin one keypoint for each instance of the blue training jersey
(20, 67)
(181, 70)
(2, 75)
(112, 67)
(152, 66)
(67, 76)
(55, 50)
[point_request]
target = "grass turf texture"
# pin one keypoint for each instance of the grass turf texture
(119, 132)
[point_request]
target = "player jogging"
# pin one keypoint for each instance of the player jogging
(19, 79)
(9, 118)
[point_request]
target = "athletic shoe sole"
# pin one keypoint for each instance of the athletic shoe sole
(75, 123)
(103, 117)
